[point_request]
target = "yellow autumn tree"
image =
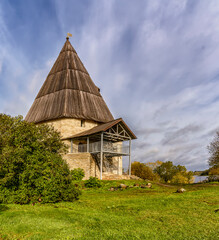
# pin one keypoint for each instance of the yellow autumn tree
(214, 171)
(153, 165)
(143, 171)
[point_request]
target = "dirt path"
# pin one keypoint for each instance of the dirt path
(165, 185)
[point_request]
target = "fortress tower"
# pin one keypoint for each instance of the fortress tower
(72, 103)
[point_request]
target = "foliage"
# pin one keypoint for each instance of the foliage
(182, 178)
(141, 170)
(166, 171)
(213, 178)
(153, 165)
(31, 166)
(213, 149)
(179, 179)
(213, 174)
(77, 174)
(189, 175)
(214, 171)
(175, 174)
(204, 173)
(93, 182)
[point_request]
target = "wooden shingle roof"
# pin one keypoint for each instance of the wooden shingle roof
(102, 128)
(69, 92)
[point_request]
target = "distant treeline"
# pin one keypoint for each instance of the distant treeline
(201, 173)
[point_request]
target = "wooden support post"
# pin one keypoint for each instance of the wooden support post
(118, 165)
(101, 156)
(88, 143)
(71, 145)
(130, 163)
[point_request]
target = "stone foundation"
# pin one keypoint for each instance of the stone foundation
(84, 161)
(87, 162)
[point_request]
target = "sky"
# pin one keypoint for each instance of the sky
(155, 61)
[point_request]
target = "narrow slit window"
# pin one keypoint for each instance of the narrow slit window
(82, 123)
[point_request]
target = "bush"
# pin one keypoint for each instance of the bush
(180, 178)
(31, 166)
(93, 182)
(77, 174)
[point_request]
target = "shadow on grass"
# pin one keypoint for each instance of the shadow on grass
(3, 208)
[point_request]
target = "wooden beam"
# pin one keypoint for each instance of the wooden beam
(113, 138)
(130, 163)
(113, 130)
(101, 156)
(124, 129)
(88, 143)
(117, 135)
(71, 145)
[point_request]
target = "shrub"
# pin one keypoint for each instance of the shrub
(31, 166)
(93, 182)
(179, 178)
(77, 174)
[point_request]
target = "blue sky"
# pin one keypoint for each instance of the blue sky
(156, 63)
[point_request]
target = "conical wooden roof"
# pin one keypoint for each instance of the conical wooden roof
(68, 92)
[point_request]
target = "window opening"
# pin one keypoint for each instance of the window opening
(82, 123)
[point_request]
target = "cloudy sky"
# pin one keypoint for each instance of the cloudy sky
(155, 61)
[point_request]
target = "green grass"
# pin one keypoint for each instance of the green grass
(157, 213)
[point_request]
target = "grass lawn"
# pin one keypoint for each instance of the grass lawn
(135, 213)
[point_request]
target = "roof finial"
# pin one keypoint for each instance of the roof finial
(68, 35)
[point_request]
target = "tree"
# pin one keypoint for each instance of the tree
(176, 174)
(141, 170)
(153, 165)
(213, 149)
(31, 166)
(183, 178)
(179, 178)
(214, 171)
(166, 171)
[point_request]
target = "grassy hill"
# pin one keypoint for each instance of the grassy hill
(135, 213)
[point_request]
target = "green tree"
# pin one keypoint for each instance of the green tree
(213, 149)
(166, 171)
(176, 174)
(31, 166)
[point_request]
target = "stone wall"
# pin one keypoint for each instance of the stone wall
(70, 126)
(84, 161)
(88, 164)
(118, 162)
